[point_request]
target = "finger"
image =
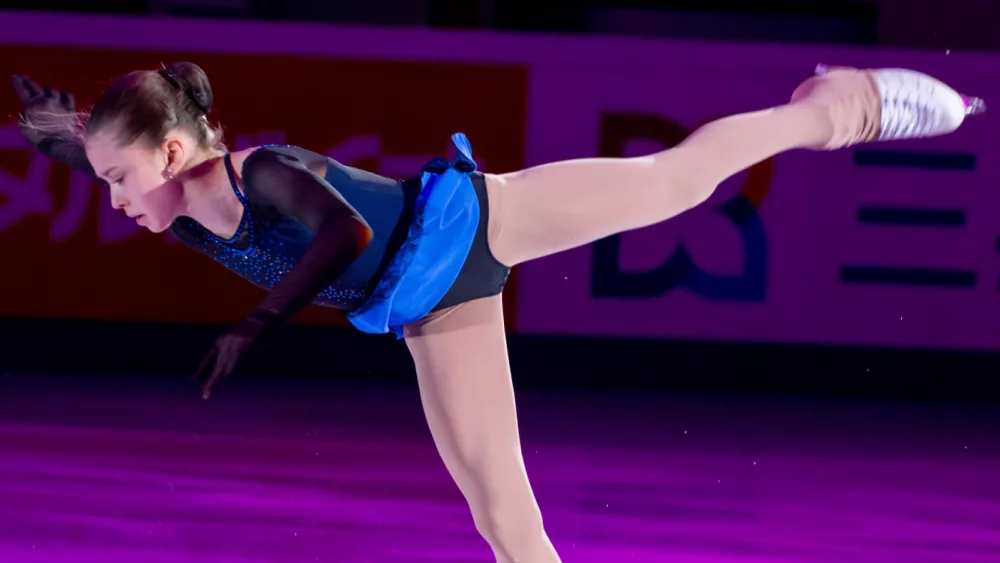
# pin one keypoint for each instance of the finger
(210, 386)
(207, 362)
(206, 390)
(224, 367)
(67, 101)
(204, 368)
(21, 88)
(31, 87)
(218, 374)
(49, 92)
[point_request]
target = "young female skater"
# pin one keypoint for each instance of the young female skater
(427, 258)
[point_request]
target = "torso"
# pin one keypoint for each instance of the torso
(268, 241)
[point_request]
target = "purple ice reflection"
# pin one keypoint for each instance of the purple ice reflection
(339, 474)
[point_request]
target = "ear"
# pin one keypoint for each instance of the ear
(177, 155)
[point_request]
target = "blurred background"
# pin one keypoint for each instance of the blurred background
(838, 312)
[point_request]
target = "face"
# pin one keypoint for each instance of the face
(138, 177)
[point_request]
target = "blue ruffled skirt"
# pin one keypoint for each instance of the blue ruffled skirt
(445, 219)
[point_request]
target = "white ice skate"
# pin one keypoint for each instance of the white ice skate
(915, 105)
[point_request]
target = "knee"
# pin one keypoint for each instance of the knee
(507, 516)
(685, 180)
(694, 193)
(503, 506)
(514, 537)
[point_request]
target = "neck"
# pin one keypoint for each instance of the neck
(209, 198)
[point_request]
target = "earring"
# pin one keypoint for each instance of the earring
(170, 172)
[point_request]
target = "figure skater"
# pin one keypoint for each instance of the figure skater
(427, 258)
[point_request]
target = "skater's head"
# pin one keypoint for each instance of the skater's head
(145, 129)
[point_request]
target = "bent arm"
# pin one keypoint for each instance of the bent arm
(280, 178)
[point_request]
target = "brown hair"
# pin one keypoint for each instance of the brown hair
(145, 105)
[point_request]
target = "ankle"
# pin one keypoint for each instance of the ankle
(849, 103)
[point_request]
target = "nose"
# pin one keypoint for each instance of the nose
(118, 200)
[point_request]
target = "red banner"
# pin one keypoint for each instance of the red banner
(68, 254)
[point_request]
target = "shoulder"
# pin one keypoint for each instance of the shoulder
(272, 158)
(267, 165)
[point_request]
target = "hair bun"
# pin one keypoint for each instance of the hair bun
(192, 80)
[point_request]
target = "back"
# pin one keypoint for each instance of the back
(385, 204)
(387, 207)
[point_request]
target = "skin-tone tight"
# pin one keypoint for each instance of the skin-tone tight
(460, 353)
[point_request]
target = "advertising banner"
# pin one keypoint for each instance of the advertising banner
(893, 244)
(66, 253)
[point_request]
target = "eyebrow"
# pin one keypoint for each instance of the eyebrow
(108, 172)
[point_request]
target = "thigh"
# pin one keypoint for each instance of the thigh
(462, 368)
(463, 372)
(556, 207)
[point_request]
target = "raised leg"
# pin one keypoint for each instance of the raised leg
(555, 207)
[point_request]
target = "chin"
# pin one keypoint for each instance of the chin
(158, 228)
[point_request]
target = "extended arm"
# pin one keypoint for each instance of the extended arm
(48, 121)
(280, 178)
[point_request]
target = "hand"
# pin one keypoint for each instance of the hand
(36, 99)
(230, 352)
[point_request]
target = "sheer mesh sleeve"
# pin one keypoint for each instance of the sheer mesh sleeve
(281, 178)
(67, 151)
